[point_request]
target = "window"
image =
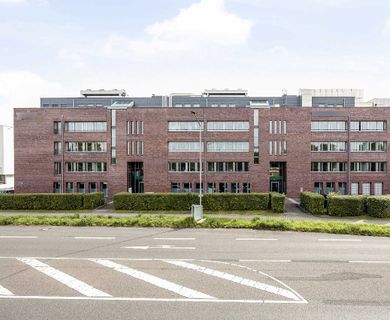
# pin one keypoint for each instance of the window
(86, 146)
(369, 146)
(57, 168)
(175, 187)
(86, 166)
(338, 146)
(378, 188)
(255, 117)
(184, 126)
(366, 188)
(69, 187)
(328, 126)
(135, 127)
(368, 166)
(330, 187)
(197, 187)
(211, 187)
(228, 146)
(183, 166)
(57, 187)
(235, 187)
(342, 188)
(228, 166)
(328, 166)
(368, 126)
(57, 148)
(354, 188)
(246, 187)
(135, 148)
(227, 126)
(318, 187)
(57, 127)
(190, 146)
(113, 136)
(256, 145)
(223, 187)
(80, 187)
(92, 187)
(78, 126)
(187, 187)
(270, 127)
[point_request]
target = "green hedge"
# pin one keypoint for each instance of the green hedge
(50, 201)
(312, 202)
(346, 205)
(183, 201)
(277, 202)
(378, 206)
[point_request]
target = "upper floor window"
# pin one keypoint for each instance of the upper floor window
(368, 166)
(368, 125)
(184, 146)
(183, 166)
(368, 146)
(86, 166)
(228, 126)
(328, 166)
(78, 126)
(228, 166)
(57, 127)
(339, 146)
(228, 146)
(86, 146)
(184, 126)
(328, 125)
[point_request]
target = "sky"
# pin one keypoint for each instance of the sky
(55, 48)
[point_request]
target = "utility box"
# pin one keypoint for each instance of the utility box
(197, 212)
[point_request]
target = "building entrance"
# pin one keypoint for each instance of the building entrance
(135, 177)
(277, 177)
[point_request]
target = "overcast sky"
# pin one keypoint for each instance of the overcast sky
(57, 47)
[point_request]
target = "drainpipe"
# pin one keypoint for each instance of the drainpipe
(349, 153)
(62, 154)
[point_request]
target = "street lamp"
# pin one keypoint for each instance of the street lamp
(197, 211)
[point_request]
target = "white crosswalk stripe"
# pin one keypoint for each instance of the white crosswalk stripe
(236, 279)
(5, 292)
(173, 287)
(64, 278)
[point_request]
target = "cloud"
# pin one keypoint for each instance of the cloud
(205, 23)
(22, 89)
(22, 2)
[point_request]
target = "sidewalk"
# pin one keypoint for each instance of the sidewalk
(293, 212)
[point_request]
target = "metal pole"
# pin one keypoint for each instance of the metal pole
(62, 154)
(200, 163)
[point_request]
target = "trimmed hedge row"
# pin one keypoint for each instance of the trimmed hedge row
(346, 205)
(378, 206)
(183, 201)
(277, 202)
(312, 202)
(51, 201)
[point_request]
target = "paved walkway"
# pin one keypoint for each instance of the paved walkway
(293, 212)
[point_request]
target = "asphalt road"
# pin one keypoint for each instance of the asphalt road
(135, 273)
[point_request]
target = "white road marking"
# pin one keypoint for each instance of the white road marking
(64, 278)
(264, 260)
(161, 283)
(94, 238)
(174, 239)
(106, 258)
(359, 221)
(256, 239)
(5, 292)
(242, 281)
(154, 299)
(370, 261)
(18, 237)
(159, 247)
(345, 240)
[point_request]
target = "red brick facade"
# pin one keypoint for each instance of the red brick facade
(34, 147)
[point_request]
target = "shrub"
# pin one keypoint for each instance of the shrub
(346, 205)
(183, 201)
(378, 206)
(93, 200)
(312, 202)
(277, 202)
(50, 201)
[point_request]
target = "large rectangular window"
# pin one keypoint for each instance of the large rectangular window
(57, 147)
(86, 166)
(228, 126)
(79, 126)
(328, 126)
(183, 167)
(184, 146)
(86, 146)
(184, 125)
(339, 146)
(368, 126)
(57, 168)
(228, 166)
(228, 146)
(368, 146)
(368, 166)
(328, 166)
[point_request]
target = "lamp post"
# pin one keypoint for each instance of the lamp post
(200, 157)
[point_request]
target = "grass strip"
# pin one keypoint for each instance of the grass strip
(187, 222)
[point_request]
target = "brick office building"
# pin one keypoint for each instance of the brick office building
(322, 140)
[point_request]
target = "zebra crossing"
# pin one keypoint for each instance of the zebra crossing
(125, 279)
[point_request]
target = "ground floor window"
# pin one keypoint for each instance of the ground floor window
(318, 187)
(80, 187)
(235, 187)
(197, 187)
(342, 188)
(57, 187)
(246, 187)
(330, 187)
(223, 187)
(69, 187)
(378, 188)
(354, 188)
(366, 188)
(92, 187)
(187, 187)
(211, 187)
